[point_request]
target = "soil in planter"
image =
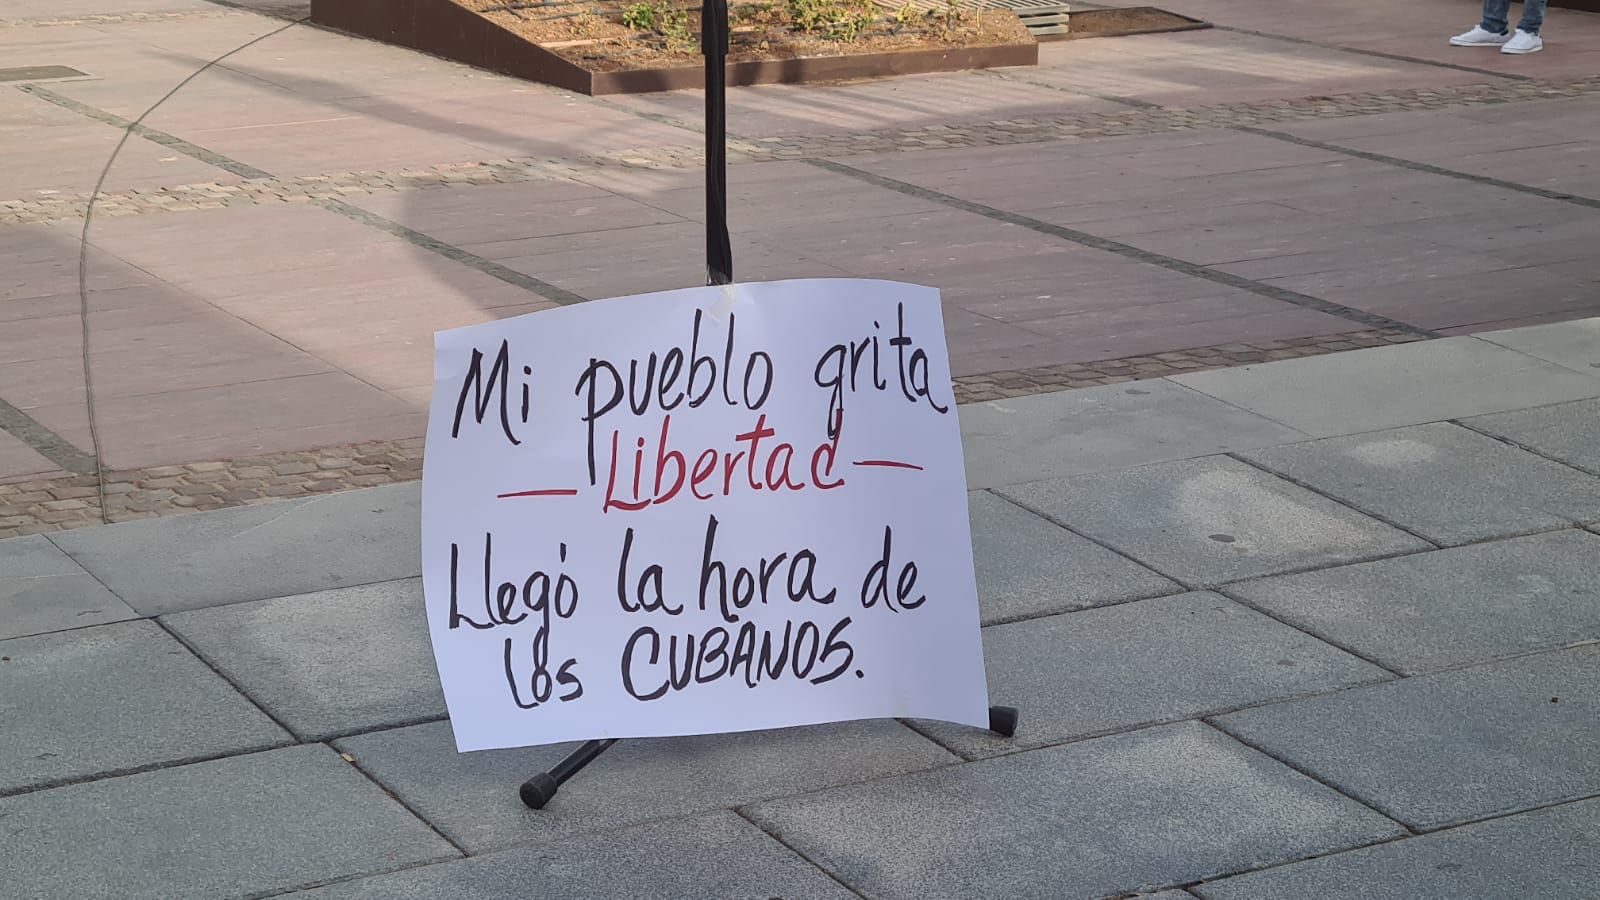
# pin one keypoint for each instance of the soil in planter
(611, 36)
(1135, 20)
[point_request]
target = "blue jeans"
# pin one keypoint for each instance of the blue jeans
(1497, 12)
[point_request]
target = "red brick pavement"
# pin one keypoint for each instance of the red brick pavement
(220, 301)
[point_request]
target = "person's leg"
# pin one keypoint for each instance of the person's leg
(1495, 15)
(1532, 16)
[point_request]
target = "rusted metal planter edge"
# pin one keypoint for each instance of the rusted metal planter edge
(444, 29)
(452, 32)
(801, 70)
(1190, 23)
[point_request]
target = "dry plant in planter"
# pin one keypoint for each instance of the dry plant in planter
(614, 35)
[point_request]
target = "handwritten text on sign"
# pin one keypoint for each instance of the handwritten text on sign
(706, 510)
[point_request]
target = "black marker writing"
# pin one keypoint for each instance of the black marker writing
(483, 396)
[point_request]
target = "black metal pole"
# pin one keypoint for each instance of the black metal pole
(541, 788)
(714, 44)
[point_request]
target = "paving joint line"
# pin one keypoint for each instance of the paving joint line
(1238, 405)
(1394, 57)
(1492, 539)
(1205, 717)
(41, 440)
(1076, 127)
(1475, 664)
(1523, 447)
(1425, 832)
(224, 604)
(356, 214)
(1127, 251)
(302, 889)
(1385, 159)
(1119, 730)
(160, 622)
(450, 251)
(153, 135)
(365, 730)
(1575, 199)
(1108, 604)
(1230, 591)
(1323, 566)
(295, 738)
(146, 768)
(1510, 657)
(122, 18)
(1019, 78)
(1354, 798)
(648, 116)
(1188, 886)
(1187, 587)
(351, 761)
(1310, 488)
(778, 838)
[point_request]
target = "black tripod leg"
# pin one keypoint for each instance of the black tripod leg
(541, 788)
(1003, 720)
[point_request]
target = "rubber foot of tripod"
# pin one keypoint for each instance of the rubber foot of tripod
(1003, 720)
(539, 790)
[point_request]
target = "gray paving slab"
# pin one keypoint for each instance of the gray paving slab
(1387, 387)
(1569, 432)
(1446, 483)
(472, 797)
(168, 564)
(1575, 345)
(1553, 854)
(713, 855)
(1132, 812)
(327, 663)
(114, 698)
(1158, 660)
(244, 826)
(1028, 566)
(1437, 750)
(42, 590)
(1095, 429)
(1210, 521)
(1448, 608)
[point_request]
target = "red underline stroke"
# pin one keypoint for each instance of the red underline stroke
(888, 464)
(559, 492)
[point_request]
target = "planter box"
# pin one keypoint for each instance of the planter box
(444, 29)
(1096, 23)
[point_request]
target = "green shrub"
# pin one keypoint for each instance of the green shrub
(836, 19)
(640, 16)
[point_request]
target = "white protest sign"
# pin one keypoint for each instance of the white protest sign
(706, 510)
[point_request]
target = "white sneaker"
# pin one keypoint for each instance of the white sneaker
(1523, 42)
(1478, 37)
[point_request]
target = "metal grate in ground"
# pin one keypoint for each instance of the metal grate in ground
(1040, 17)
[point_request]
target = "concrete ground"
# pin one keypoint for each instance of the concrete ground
(300, 217)
(1333, 634)
(1281, 394)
